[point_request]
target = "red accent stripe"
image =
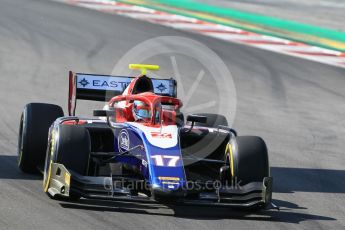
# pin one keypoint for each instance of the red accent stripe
(100, 3)
(169, 20)
(197, 22)
(161, 13)
(124, 11)
(271, 42)
(315, 53)
(74, 122)
(223, 31)
(72, 2)
(97, 3)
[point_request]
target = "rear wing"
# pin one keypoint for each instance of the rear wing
(103, 87)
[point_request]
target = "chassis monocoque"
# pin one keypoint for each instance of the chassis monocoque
(165, 159)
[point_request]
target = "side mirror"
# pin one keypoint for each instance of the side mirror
(196, 118)
(103, 113)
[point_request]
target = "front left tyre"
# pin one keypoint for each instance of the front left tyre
(33, 134)
(70, 146)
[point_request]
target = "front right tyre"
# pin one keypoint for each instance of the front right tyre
(248, 160)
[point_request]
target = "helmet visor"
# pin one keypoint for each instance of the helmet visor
(141, 110)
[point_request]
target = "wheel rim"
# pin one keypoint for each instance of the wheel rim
(48, 162)
(20, 140)
(47, 171)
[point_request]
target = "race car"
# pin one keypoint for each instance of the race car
(139, 147)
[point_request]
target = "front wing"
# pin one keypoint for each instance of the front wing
(62, 182)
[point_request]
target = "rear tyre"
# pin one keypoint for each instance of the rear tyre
(33, 134)
(70, 146)
(213, 120)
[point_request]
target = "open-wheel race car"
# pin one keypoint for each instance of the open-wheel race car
(140, 148)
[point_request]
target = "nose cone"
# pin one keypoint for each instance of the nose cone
(168, 179)
(168, 191)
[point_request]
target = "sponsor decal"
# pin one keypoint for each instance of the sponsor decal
(123, 141)
(103, 83)
(118, 83)
(167, 142)
(84, 82)
(170, 183)
(109, 84)
(161, 135)
(168, 178)
(161, 87)
(165, 160)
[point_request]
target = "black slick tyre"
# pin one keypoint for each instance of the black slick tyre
(33, 134)
(70, 146)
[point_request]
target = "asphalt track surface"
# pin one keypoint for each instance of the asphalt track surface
(297, 106)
